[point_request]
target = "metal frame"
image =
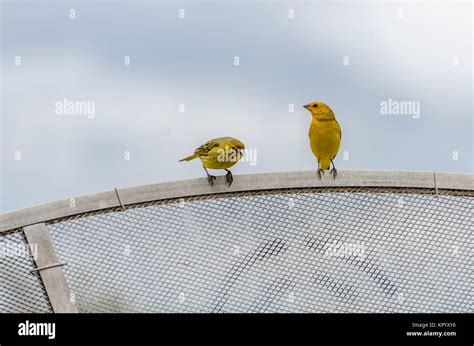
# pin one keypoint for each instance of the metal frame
(49, 269)
(250, 182)
(34, 220)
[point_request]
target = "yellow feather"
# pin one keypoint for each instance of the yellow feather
(324, 138)
(324, 133)
(219, 153)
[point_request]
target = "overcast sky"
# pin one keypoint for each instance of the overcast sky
(411, 52)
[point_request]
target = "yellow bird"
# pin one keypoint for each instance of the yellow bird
(219, 153)
(324, 136)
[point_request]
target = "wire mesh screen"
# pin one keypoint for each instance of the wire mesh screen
(350, 250)
(21, 290)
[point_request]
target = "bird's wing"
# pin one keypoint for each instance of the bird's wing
(204, 149)
(340, 134)
(339, 128)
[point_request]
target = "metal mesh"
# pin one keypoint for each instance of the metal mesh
(21, 290)
(304, 250)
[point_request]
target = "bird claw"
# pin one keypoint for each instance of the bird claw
(319, 171)
(334, 172)
(229, 178)
(210, 179)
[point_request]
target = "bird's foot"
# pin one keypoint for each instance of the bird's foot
(320, 172)
(229, 178)
(210, 179)
(334, 172)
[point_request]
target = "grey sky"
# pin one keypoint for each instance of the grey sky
(190, 61)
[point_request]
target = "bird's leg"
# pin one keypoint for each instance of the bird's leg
(320, 171)
(210, 178)
(333, 170)
(229, 178)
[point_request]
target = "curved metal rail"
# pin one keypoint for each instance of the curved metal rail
(251, 182)
(119, 243)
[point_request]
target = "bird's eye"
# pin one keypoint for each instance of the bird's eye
(315, 105)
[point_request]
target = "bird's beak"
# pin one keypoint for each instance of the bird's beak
(306, 106)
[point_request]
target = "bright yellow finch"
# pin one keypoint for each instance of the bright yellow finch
(324, 136)
(219, 153)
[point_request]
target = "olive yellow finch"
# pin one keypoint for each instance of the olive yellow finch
(324, 136)
(219, 153)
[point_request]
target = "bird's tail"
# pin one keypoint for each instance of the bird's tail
(189, 158)
(324, 164)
